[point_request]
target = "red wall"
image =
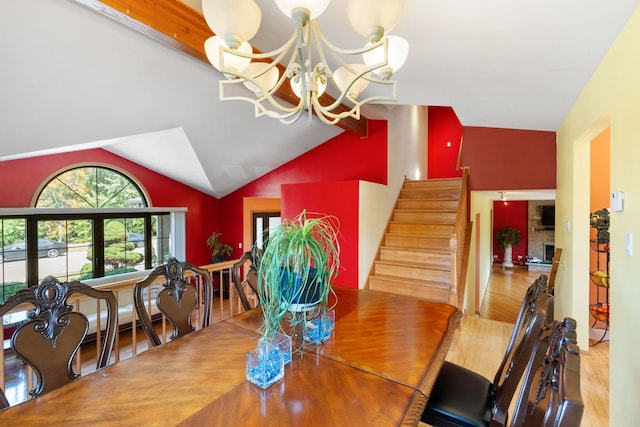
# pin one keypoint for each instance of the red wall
(444, 127)
(514, 215)
(23, 178)
(343, 158)
(339, 199)
(509, 159)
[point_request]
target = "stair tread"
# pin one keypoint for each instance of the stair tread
(445, 239)
(438, 251)
(422, 265)
(434, 283)
(423, 210)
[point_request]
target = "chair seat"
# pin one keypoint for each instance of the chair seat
(460, 397)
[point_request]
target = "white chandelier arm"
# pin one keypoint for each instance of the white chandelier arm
(365, 73)
(266, 94)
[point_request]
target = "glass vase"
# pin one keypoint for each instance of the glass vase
(280, 341)
(265, 365)
(318, 329)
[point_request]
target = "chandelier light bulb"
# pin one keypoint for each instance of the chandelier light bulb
(231, 62)
(233, 20)
(374, 18)
(343, 76)
(315, 7)
(397, 53)
(267, 79)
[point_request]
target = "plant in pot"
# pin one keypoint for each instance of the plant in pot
(219, 250)
(295, 273)
(508, 237)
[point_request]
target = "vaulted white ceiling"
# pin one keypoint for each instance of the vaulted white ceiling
(72, 78)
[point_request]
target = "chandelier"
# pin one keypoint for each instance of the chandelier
(308, 62)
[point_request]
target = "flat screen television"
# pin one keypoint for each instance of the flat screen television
(548, 217)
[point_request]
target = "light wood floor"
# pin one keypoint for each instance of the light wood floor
(480, 343)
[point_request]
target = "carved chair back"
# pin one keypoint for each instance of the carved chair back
(523, 320)
(552, 396)
(176, 298)
(50, 338)
(251, 278)
(518, 358)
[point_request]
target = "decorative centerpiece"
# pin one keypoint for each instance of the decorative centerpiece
(294, 279)
(508, 238)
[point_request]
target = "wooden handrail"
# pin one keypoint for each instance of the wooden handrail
(459, 245)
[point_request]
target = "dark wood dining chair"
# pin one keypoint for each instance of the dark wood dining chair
(53, 332)
(173, 289)
(250, 280)
(551, 397)
(462, 397)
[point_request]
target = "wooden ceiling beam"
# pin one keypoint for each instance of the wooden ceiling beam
(176, 24)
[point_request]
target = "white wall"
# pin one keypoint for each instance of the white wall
(406, 150)
(479, 269)
(611, 98)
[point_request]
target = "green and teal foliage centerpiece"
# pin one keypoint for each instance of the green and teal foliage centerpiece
(295, 274)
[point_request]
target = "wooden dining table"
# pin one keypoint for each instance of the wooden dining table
(376, 369)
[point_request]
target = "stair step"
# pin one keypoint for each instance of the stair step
(411, 271)
(434, 183)
(437, 259)
(428, 204)
(418, 228)
(430, 193)
(424, 216)
(440, 243)
(423, 289)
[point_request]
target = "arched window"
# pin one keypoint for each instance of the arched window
(91, 222)
(91, 187)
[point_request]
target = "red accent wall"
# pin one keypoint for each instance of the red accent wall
(509, 159)
(515, 215)
(345, 157)
(26, 175)
(340, 199)
(444, 127)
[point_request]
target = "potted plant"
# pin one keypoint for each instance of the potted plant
(297, 268)
(219, 251)
(508, 237)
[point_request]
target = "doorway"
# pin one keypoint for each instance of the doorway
(263, 224)
(599, 193)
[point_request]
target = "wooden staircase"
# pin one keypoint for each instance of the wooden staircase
(417, 252)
